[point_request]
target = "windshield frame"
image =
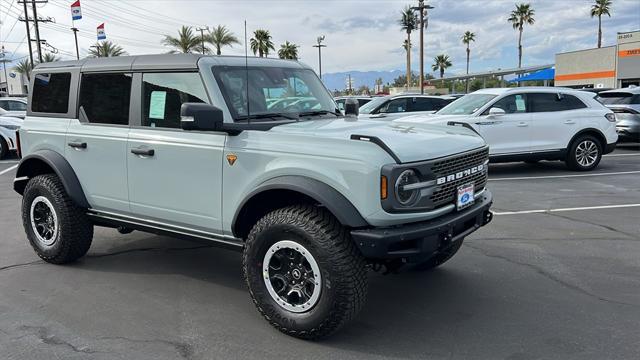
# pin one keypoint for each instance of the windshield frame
(492, 98)
(264, 116)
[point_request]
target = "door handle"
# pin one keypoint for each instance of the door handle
(143, 152)
(569, 122)
(523, 124)
(78, 145)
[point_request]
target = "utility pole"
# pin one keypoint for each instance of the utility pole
(202, 36)
(4, 65)
(422, 8)
(35, 24)
(320, 39)
(36, 28)
(26, 21)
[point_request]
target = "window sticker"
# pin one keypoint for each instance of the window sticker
(157, 105)
(520, 106)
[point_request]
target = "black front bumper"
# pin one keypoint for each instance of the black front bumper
(415, 241)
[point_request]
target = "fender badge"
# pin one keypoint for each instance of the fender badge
(231, 159)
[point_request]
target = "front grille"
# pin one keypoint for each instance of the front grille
(446, 193)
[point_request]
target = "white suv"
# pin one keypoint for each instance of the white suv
(534, 123)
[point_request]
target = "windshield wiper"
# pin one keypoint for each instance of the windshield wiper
(268, 116)
(320, 112)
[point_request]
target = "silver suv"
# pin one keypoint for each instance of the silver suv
(625, 103)
(186, 146)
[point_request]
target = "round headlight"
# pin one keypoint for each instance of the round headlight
(404, 196)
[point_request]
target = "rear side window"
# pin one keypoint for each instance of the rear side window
(163, 95)
(422, 104)
(547, 102)
(51, 93)
(105, 98)
(395, 106)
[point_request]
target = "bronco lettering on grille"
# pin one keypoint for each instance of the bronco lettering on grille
(460, 174)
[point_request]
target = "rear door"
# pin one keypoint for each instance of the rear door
(508, 133)
(175, 176)
(555, 118)
(97, 141)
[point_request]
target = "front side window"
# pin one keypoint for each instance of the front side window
(512, 104)
(104, 98)
(17, 106)
(394, 106)
(548, 102)
(272, 92)
(422, 104)
(163, 95)
(51, 93)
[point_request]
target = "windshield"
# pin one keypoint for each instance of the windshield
(372, 105)
(466, 105)
(618, 98)
(272, 92)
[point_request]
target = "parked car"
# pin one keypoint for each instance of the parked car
(534, 123)
(8, 128)
(340, 100)
(13, 106)
(172, 144)
(395, 106)
(625, 104)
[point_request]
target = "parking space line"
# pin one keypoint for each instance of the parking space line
(614, 155)
(565, 176)
(497, 213)
(9, 169)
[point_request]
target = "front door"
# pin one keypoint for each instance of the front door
(508, 133)
(175, 176)
(96, 143)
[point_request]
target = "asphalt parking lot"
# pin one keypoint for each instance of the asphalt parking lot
(555, 276)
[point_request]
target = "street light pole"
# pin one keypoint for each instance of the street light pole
(320, 39)
(422, 9)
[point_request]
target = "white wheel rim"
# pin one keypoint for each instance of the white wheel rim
(294, 284)
(44, 221)
(586, 153)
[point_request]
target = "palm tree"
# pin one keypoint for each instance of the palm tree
(48, 57)
(288, 51)
(220, 37)
(186, 42)
(601, 7)
(467, 38)
(441, 62)
(408, 22)
(261, 43)
(24, 68)
(523, 14)
(106, 49)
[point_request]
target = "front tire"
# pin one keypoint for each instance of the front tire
(59, 231)
(304, 273)
(584, 153)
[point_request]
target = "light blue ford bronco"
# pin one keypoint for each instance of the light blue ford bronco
(250, 154)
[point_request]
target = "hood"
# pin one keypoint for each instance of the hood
(8, 120)
(430, 119)
(409, 143)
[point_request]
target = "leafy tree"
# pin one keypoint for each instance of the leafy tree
(261, 43)
(24, 68)
(288, 51)
(441, 62)
(186, 42)
(106, 49)
(220, 37)
(408, 23)
(521, 16)
(601, 7)
(467, 38)
(48, 57)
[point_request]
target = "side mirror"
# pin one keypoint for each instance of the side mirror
(351, 108)
(495, 111)
(200, 116)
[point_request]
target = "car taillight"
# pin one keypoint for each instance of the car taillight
(611, 117)
(18, 149)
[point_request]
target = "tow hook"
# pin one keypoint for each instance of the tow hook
(487, 217)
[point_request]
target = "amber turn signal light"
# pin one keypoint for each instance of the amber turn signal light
(383, 187)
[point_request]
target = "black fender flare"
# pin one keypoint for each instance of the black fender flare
(324, 194)
(31, 165)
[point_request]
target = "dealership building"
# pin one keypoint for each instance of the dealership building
(607, 67)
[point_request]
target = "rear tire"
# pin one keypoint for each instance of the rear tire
(440, 257)
(4, 149)
(307, 240)
(59, 231)
(584, 153)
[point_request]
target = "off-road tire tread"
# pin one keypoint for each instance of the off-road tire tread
(76, 231)
(334, 238)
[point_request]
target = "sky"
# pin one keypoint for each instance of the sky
(360, 35)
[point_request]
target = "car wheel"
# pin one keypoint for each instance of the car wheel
(441, 257)
(584, 153)
(4, 149)
(304, 273)
(58, 230)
